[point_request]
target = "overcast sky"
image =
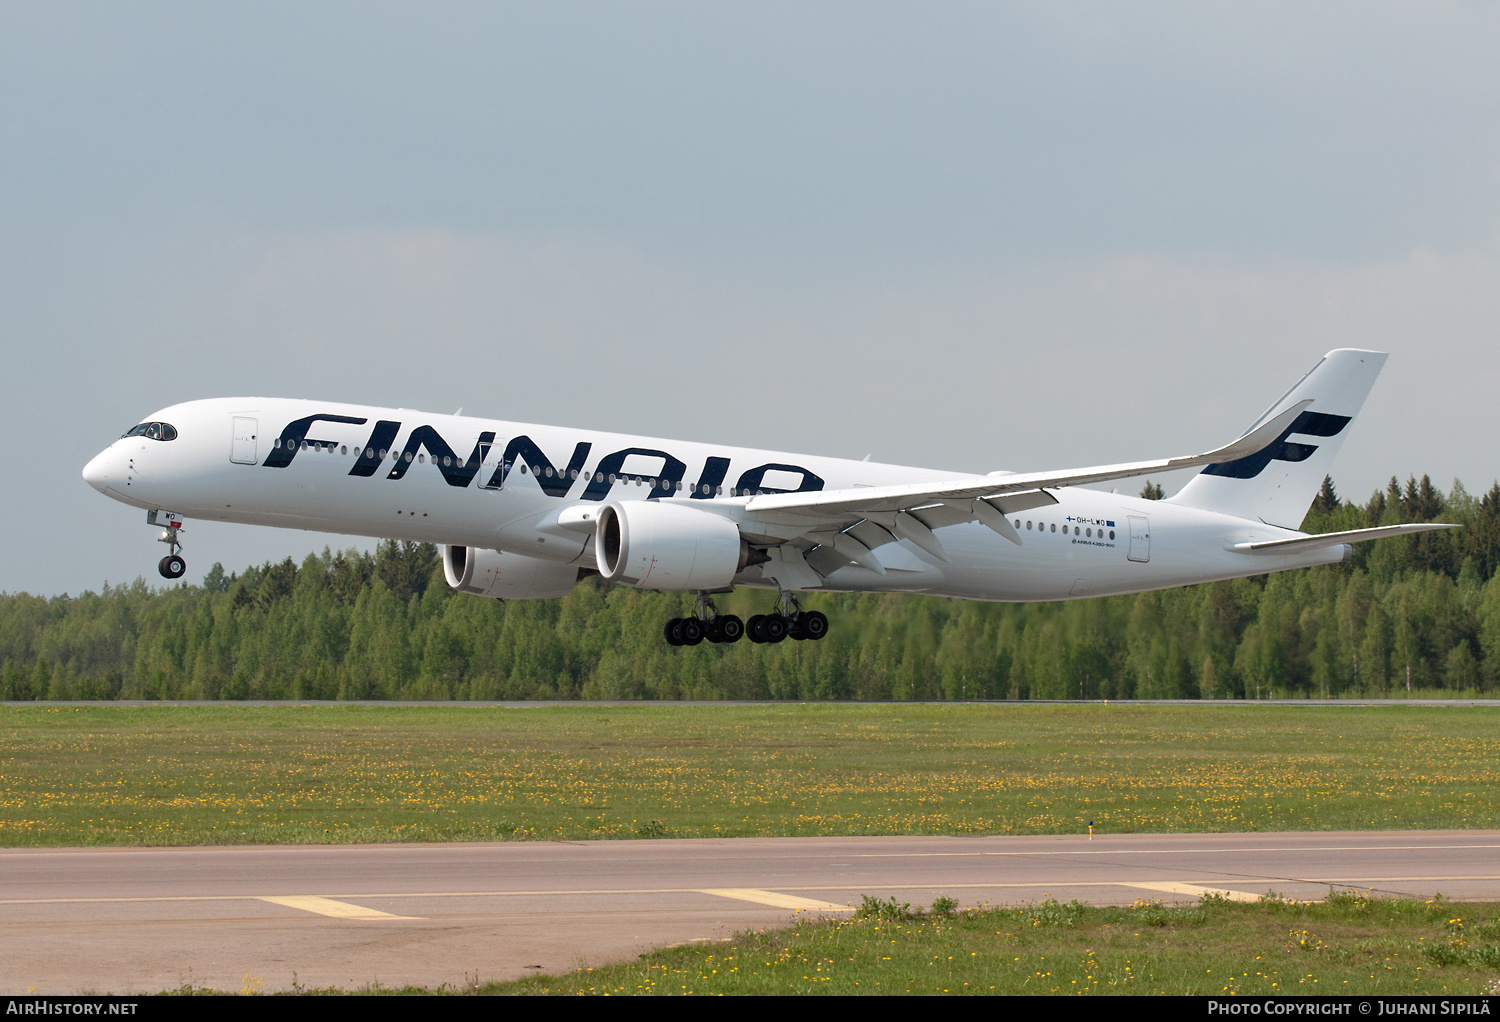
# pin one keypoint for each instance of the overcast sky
(969, 235)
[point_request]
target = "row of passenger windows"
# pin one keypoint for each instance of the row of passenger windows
(671, 484)
(1087, 532)
(369, 452)
(704, 488)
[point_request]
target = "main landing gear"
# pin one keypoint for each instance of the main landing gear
(709, 624)
(171, 566)
(792, 622)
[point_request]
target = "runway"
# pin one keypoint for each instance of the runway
(143, 920)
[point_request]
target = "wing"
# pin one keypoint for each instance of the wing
(855, 521)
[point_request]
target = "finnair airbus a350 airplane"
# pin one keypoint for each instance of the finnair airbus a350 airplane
(524, 512)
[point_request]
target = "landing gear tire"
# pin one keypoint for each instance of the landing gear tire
(813, 624)
(766, 628)
(691, 631)
(729, 627)
(774, 628)
(172, 566)
(670, 631)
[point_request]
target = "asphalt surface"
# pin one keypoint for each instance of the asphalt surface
(143, 920)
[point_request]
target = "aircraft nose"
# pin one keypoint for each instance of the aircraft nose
(96, 473)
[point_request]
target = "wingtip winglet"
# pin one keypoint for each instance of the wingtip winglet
(1258, 438)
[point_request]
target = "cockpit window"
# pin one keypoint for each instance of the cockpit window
(154, 431)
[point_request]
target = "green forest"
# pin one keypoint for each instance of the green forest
(1417, 615)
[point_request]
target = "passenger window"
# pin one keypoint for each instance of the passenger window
(1054, 526)
(1028, 525)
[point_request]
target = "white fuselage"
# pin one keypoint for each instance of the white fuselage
(243, 460)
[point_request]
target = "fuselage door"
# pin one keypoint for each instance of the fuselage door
(242, 446)
(1140, 539)
(490, 477)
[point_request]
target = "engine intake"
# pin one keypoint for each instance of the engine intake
(503, 576)
(666, 546)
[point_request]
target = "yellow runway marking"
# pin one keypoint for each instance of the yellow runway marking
(329, 907)
(1192, 889)
(774, 899)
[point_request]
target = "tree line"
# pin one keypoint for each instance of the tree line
(1411, 615)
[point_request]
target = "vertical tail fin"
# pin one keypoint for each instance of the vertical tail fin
(1278, 483)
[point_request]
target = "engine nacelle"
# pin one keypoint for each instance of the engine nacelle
(666, 546)
(505, 576)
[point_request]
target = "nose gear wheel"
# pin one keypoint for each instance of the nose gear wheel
(171, 566)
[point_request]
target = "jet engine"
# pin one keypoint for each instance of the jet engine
(505, 576)
(666, 546)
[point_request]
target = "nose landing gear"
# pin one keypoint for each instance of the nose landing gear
(171, 566)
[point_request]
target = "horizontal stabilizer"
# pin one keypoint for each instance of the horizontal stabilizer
(1280, 546)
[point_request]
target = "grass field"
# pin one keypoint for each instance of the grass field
(1347, 945)
(241, 774)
